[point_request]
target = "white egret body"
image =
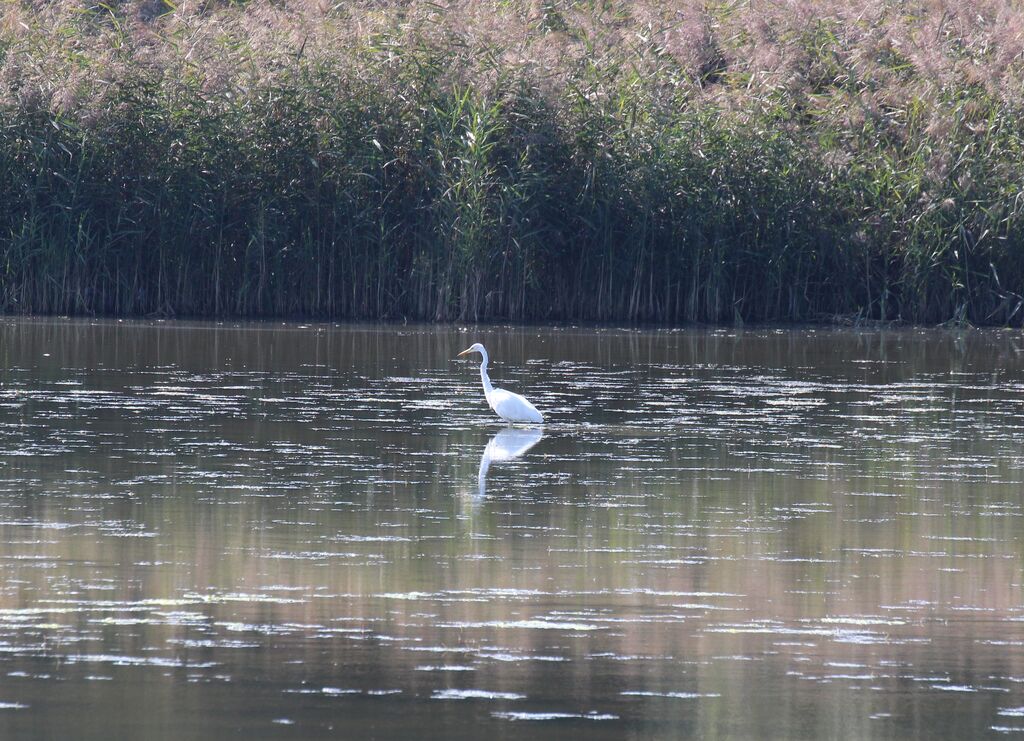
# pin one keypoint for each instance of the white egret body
(510, 407)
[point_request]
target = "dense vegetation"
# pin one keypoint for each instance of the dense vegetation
(795, 160)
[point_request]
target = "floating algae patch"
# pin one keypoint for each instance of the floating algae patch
(454, 694)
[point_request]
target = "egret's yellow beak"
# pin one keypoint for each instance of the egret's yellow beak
(467, 351)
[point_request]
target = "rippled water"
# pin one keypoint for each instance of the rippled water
(284, 531)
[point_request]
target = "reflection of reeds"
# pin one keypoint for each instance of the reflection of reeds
(633, 161)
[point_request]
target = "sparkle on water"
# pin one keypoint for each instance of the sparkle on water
(283, 531)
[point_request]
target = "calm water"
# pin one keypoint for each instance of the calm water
(281, 531)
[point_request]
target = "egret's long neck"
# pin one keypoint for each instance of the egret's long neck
(488, 388)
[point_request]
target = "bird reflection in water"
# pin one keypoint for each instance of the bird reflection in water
(507, 445)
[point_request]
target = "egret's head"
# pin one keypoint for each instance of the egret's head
(475, 347)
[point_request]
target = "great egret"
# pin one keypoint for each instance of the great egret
(510, 407)
(507, 445)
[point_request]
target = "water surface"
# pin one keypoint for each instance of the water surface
(298, 532)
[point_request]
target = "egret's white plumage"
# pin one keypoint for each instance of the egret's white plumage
(510, 407)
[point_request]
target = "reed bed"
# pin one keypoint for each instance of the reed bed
(669, 162)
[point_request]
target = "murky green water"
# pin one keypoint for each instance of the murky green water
(278, 531)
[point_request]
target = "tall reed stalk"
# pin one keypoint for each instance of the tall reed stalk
(680, 162)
